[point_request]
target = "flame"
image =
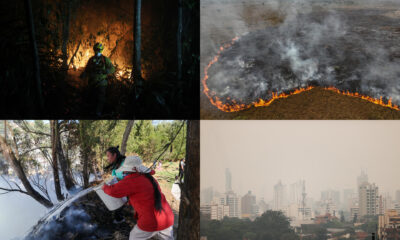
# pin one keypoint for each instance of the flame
(230, 105)
(378, 101)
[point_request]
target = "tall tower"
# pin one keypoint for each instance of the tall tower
(279, 196)
(228, 180)
(363, 178)
(303, 200)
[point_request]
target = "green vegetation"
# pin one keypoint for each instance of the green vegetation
(147, 139)
(370, 225)
(272, 225)
(77, 150)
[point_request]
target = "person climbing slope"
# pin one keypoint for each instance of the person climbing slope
(152, 211)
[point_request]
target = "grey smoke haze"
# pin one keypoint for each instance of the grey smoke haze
(326, 154)
(353, 46)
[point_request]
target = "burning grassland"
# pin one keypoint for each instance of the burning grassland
(317, 103)
(353, 52)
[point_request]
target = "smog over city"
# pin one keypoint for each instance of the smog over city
(327, 155)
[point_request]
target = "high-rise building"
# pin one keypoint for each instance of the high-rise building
(348, 198)
(331, 196)
(368, 199)
(228, 180)
(207, 195)
(234, 203)
(249, 206)
(296, 192)
(363, 178)
(279, 196)
(354, 213)
(397, 198)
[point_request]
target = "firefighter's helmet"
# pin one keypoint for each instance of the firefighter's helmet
(98, 47)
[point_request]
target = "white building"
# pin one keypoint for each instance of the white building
(218, 212)
(368, 199)
(234, 202)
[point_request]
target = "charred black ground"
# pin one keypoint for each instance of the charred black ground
(352, 49)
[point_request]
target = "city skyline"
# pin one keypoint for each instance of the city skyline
(291, 155)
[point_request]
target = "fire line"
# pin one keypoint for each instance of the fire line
(234, 106)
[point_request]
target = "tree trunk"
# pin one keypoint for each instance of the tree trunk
(17, 167)
(65, 168)
(85, 149)
(5, 130)
(36, 66)
(179, 40)
(65, 33)
(54, 162)
(189, 209)
(85, 173)
(137, 38)
(125, 137)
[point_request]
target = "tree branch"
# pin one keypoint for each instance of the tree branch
(26, 128)
(168, 144)
(8, 190)
(33, 149)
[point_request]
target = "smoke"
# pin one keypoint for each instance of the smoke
(345, 44)
(73, 223)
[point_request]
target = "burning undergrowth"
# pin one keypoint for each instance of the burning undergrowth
(355, 51)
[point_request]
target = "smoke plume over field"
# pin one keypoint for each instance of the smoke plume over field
(349, 45)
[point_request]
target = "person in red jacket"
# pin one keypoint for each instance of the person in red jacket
(153, 213)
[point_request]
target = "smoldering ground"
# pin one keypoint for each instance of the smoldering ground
(85, 218)
(352, 46)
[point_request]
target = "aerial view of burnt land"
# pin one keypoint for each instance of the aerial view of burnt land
(300, 59)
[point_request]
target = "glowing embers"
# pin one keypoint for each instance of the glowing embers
(232, 105)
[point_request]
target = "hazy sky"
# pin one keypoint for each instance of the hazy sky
(326, 154)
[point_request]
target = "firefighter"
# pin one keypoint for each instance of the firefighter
(96, 71)
(154, 215)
